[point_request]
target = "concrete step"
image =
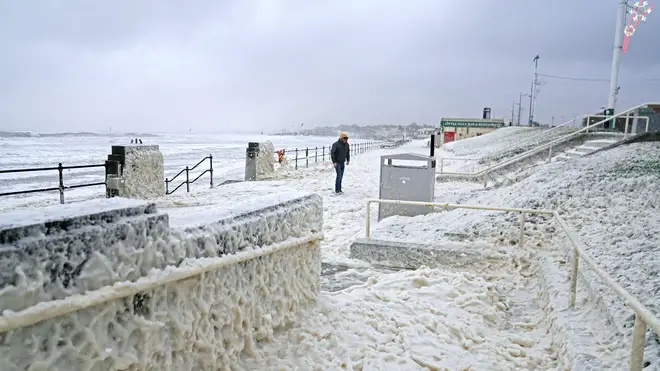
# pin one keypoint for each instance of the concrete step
(573, 154)
(585, 149)
(600, 143)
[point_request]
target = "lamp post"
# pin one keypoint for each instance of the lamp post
(638, 13)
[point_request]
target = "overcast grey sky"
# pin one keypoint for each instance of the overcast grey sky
(225, 65)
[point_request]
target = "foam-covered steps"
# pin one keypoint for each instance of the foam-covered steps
(407, 255)
(221, 307)
(61, 250)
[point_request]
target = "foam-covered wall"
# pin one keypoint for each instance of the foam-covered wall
(199, 323)
(143, 172)
(265, 160)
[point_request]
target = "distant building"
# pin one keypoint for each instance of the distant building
(424, 133)
(452, 129)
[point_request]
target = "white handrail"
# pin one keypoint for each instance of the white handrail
(643, 316)
(543, 147)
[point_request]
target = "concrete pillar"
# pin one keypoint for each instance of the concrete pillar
(251, 153)
(259, 161)
(136, 171)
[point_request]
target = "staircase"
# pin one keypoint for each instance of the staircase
(588, 147)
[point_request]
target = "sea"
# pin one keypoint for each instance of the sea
(25, 150)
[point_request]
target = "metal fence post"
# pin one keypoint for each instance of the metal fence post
(187, 179)
(167, 186)
(211, 168)
(638, 342)
(574, 274)
(522, 230)
(296, 158)
(316, 155)
(307, 157)
(323, 154)
(550, 154)
(61, 185)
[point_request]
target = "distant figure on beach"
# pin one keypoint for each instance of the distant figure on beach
(140, 140)
(131, 141)
(341, 156)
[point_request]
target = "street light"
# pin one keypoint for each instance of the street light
(638, 13)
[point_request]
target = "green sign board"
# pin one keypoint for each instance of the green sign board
(646, 110)
(471, 124)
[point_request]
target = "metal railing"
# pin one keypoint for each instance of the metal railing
(547, 146)
(627, 124)
(187, 171)
(643, 316)
(313, 153)
(60, 171)
(523, 141)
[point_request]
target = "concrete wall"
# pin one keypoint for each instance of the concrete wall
(202, 322)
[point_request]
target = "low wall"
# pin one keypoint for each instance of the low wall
(120, 289)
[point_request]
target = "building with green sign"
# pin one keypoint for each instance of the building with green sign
(452, 129)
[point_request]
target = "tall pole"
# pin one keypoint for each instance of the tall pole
(616, 53)
(513, 107)
(519, 107)
(531, 93)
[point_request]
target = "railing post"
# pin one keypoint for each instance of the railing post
(574, 274)
(442, 164)
(323, 154)
(521, 239)
(211, 168)
(625, 130)
(61, 185)
(296, 158)
(316, 155)
(187, 179)
(367, 228)
(638, 341)
(307, 157)
(550, 154)
(167, 186)
(486, 174)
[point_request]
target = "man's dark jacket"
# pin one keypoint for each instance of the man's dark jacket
(340, 152)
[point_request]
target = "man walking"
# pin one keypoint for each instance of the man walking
(341, 156)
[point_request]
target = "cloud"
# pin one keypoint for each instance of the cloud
(268, 64)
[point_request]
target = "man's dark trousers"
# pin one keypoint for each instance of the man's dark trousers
(340, 174)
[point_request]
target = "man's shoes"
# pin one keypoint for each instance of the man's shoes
(339, 192)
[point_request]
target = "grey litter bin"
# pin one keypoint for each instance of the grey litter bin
(407, 177)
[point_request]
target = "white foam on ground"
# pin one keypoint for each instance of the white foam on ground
(415, 320)
(609, 199)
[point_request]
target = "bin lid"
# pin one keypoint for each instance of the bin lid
(408, 157)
